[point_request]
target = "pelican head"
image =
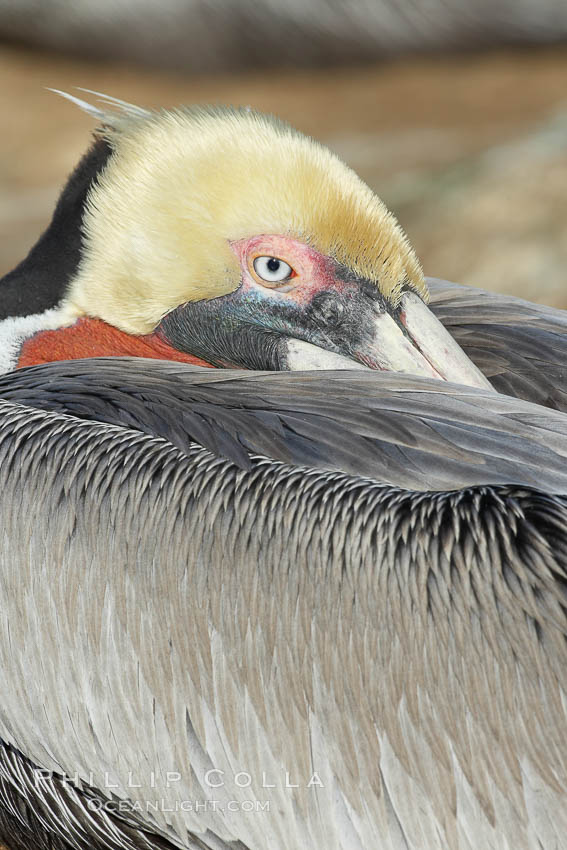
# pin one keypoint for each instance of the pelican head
(222, 232)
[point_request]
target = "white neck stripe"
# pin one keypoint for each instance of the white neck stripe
(15, 330)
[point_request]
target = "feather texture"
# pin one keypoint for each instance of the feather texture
(397, 655)
(414, 433)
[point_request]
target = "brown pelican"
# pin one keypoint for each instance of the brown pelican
(287, 609)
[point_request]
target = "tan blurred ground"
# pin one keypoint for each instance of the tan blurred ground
(470, 152)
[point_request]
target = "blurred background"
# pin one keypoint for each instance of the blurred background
(454, 111)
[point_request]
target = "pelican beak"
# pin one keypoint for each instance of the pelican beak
(347, 325)
(411, 339)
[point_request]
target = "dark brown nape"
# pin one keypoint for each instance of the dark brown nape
(39, 281)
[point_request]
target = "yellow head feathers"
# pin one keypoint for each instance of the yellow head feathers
(181, 185)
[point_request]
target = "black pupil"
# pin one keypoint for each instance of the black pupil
(273, 264)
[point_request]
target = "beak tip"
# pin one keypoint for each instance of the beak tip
(437, 346)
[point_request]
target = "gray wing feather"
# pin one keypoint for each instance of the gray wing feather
(399, 430)
(172, 611)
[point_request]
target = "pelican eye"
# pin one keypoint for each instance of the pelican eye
(272, 270)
